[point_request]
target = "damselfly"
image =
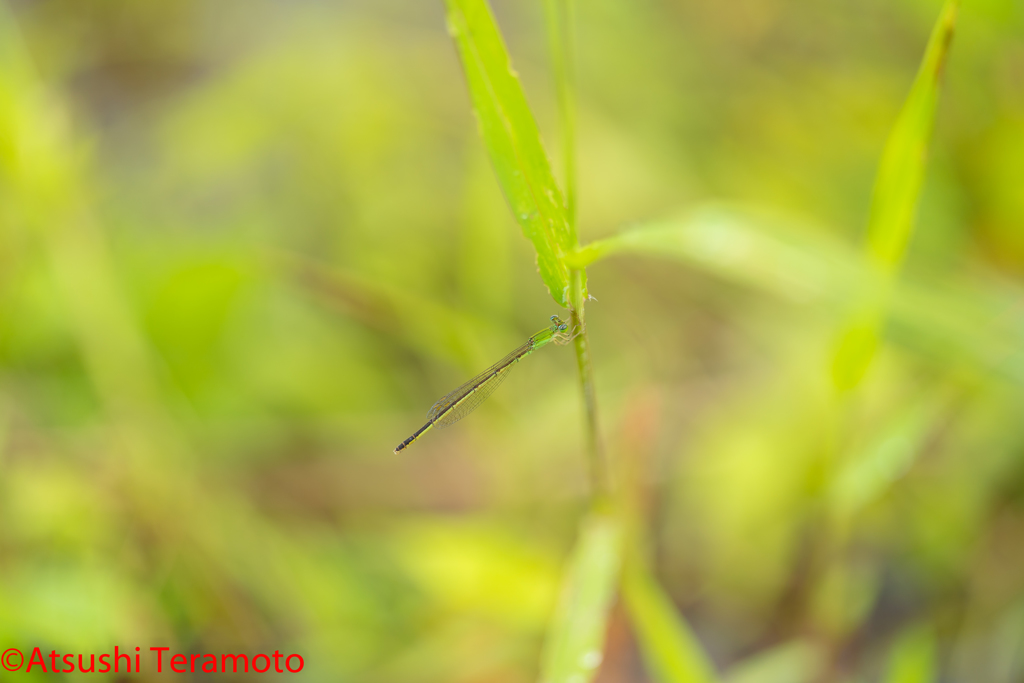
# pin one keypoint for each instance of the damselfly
(462, 401)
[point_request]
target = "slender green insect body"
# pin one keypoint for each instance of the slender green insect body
(460, 402)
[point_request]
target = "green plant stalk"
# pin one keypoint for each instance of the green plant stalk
(599, 480)
(575, 643)
(559, 22)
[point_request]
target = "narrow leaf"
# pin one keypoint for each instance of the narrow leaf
(947, 319)
(751, 247)
(575, 641)
(671, 652)
(901, 170)
(893, 204)
(512, 139)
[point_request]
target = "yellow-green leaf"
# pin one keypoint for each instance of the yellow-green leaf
(901, 170)
(749, 246)
(575, 643)
(894, 203)
(671, 652)
(512, 139)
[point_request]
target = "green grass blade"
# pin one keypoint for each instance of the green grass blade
(894, 203)
(575, 642)
(756, 248)
(671, 652)
(512, 139)
(950, 320)
(901, 170)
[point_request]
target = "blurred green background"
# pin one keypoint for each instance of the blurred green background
(245, 245)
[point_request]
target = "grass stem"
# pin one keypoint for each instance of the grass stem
(599, 479)
(560, 22)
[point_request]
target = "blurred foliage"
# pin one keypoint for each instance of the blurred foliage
(244, 245)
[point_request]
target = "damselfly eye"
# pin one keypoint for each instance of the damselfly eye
(564, 327)
(554, 318)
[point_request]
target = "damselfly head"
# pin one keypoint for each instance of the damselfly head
(559, 330)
